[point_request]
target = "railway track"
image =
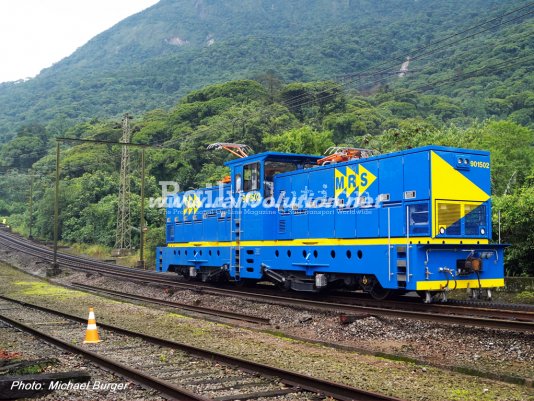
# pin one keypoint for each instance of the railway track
(175, 370)
(479, 317)
(197, 309)
(494, 312)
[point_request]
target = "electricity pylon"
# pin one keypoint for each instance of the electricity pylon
(123, 239)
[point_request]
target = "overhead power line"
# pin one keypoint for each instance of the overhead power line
(432, 85)
(472, 31)
(427, 86)
(327, 96)
(293, 102)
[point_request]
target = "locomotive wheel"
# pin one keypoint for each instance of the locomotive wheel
(223, 278)
(187, 277)
(378, 292)
(373, 287)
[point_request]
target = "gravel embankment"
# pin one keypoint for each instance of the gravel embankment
(489, 350)
(400, 379)
(497, 351)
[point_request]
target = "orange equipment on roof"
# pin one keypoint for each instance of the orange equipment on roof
(226, 180)
(339, 154)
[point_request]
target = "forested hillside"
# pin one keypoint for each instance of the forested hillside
(294, 76)
(153, 58)
(255, 114)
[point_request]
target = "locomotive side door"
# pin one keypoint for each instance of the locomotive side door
(283, 197)
(235, 222)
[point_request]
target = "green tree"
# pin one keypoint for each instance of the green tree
(22, 151)
(512, 153)
(517, 220)
(300, 140)
(313, 99)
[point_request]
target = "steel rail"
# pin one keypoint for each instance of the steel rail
(512, 314)
(178, 305)
(300, 381)
(165, 388)
(44, 250)
(130, 274)
(526, 326)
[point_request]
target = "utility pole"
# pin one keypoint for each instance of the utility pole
(31, 204)
(123, 238)
(123, 225)
(56, 207)
(143, 228)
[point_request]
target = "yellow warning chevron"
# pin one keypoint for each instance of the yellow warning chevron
(449, 184)
(365, 178)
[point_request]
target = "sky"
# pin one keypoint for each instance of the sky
(34, 34)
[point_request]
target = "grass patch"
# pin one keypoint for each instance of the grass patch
(44, 289)
(471, 395)
(101, 252)
(460, 394)
(176, 316)
(525, 297)
(93, 250)
(395, 358)
(29, 370)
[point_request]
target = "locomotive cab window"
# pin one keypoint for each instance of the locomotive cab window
(273, 168)
(251, 176)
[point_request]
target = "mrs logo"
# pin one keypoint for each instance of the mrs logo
(351, 181)
(252, 197)
(191, 204)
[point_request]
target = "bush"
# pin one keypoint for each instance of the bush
(517, 220)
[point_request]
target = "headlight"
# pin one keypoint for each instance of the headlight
(442, 230)
(482, 231)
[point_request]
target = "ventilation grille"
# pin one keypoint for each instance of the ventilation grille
(448, 214)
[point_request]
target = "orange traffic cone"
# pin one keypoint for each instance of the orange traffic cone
(91, 334)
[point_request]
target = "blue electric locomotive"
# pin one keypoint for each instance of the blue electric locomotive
(416, 220)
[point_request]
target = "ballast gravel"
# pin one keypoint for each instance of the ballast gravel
(29, 348)
(495, 351)
(488, 350)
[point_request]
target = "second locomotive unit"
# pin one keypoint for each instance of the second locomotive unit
(415, 220)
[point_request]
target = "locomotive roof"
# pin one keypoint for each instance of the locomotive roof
(299, 157)
(433, 147)
(279, 156)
